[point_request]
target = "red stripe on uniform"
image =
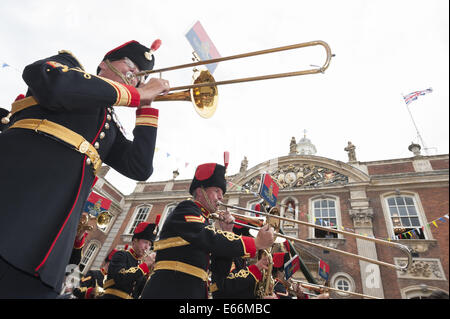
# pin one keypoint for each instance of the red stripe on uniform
(76, 199)
(67, 218)
(135, 99)
(148, 111)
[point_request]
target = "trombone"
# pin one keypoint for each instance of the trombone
(324, 289)
(203, 92)
(404, 248)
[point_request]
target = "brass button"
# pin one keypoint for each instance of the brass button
(97, 145)
(108, 117)
(107, 126)
(88, 161)
(83, 147)
(102, 135)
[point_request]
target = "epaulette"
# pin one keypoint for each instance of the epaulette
(72, 55)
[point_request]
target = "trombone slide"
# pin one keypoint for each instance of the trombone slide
(404, 248)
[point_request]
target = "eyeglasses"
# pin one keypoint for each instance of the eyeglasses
(130, 75)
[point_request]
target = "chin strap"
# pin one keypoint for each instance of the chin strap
(211, 206)
(117, 72)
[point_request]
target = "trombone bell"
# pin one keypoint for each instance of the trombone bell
(204, 98)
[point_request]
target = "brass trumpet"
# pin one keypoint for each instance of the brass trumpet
(204, 93)
(403, 248)
(102, 221)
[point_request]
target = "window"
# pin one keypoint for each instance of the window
(324, 212)
(88, 253)
(404, 217)
(141, 216)
(166, 213)
(343, 284)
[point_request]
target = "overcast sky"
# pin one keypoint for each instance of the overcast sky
(384, 50)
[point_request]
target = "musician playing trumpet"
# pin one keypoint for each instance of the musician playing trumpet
(243, 277)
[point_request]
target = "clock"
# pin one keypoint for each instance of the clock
(290, 178)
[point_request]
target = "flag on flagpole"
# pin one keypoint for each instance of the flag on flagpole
(414, 95)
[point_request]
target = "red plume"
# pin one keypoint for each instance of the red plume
(155, 45)
(19, 97)
(158, 217)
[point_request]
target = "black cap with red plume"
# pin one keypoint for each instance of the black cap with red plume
(136, 52)
(146, 230)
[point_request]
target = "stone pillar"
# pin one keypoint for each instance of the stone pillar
(362, 216)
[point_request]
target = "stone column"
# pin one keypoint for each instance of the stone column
(362, 216)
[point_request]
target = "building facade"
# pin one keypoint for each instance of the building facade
(401, 200)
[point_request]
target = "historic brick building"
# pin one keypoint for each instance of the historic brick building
(403, 200)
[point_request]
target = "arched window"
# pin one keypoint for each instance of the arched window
(140, 216)
(88, 255)
(169, 208)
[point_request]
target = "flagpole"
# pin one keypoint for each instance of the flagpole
(417, 130)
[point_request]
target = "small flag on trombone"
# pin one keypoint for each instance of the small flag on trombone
(291, 267)
(96, 204)
(269, 189)
(324, 269)
(202, 45)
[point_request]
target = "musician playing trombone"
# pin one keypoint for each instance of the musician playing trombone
(56, 138)
(189, 246)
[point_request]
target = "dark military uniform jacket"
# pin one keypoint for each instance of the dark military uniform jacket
(126, 276)
(280, 290)
(239, 284)
(187, 245)
(44, 181)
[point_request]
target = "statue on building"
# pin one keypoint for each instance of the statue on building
(415, 148)
(350, 149)
(293, 146)
(244, 165)
(289, 213)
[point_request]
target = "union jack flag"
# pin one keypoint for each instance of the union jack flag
(414, 95)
